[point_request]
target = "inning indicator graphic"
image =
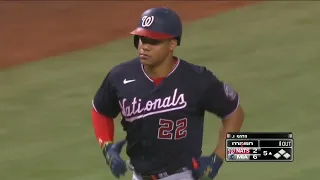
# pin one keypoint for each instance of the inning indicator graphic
(259, 147)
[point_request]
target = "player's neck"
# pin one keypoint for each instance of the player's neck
(163, 69)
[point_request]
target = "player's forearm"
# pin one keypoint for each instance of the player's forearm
(103, 128)
(231, 124)
(220, 149)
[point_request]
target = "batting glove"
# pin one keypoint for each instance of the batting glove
(207, 167)
(111, 153)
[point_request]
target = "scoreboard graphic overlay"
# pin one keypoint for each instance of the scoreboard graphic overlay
(259, 147)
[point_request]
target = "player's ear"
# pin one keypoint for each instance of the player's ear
(173, 44)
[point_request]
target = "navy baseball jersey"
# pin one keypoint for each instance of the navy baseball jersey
(164, 123)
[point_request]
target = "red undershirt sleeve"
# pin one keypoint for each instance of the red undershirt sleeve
(103, 127)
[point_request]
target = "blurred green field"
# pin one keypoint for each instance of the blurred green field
(268, 52)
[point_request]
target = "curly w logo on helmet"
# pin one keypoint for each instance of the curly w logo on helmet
(147, 21)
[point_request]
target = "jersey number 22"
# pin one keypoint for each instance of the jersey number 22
(167, 126)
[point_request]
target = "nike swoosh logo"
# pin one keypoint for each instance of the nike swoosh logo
(125, 81)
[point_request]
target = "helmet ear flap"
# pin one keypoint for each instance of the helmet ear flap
(178, 39)
(136, 41)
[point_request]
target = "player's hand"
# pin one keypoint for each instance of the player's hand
(207, 167)
(111, 153)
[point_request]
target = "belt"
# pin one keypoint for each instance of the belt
(163, 174)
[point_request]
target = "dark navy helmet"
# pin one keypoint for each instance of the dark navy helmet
(159, 23)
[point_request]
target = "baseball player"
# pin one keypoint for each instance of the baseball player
(163, 100)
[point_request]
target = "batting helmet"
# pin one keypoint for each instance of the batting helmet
(159, 23)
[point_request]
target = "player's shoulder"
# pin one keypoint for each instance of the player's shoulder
(197, 71)
(121, 70)
(124, 67)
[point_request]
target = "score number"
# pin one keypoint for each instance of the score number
(255, 153)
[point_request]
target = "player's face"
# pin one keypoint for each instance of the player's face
(153, 52)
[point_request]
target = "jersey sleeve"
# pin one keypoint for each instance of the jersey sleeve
(218, 98)
(105, 100)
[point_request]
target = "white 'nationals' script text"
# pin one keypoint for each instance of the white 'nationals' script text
(136, 110)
